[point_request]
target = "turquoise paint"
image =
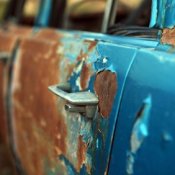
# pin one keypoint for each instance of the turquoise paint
(163, 14)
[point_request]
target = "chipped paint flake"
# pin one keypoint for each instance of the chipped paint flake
(81, 152)
(105, 87)
(168, 36)
(50, 130)
(139, 133)
(105, 60)
(79, 67)
(85, 76)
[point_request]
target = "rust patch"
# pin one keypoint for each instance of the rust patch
(3, 123)
(81, 152)
(38, 117)
(92, 44)
(61, 134)
(81, 56)
(105, 88)
(48, 34)
(6, 161)
(6, 164)
(37, 47)
(8, 42)
(85, 76)
(168, 36)
(9, 37)
(20, 31)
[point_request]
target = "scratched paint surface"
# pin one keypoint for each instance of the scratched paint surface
(139, 133)
(8, 41)
(105, 88)
(144, 138)
(39, 119)
(62, 142)
(6, 164)
(168, 36)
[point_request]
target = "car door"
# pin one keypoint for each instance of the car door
(47, 139)
(144, 136)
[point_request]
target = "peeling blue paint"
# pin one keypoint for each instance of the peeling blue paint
(139, 133)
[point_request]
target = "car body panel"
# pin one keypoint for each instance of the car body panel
(129, 77)
(9, 40)
(76, 145)
(144, 136)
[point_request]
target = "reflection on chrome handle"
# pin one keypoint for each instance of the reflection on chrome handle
(82, 102)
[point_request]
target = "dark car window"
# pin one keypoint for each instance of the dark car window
(89, 14)
(134, 12)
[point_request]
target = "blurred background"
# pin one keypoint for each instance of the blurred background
(85, 15)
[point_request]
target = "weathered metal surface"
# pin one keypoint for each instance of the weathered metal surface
(39, 118)
(139, 133)
(85, 76)
(168, 36)
(19, 31)
(6, 164)
(105, 87)
(6, 161)
(81, 153)
(36, 67)
(150, 140)
(48, 34)
(8, 43)
(3, 123)
(65, 142)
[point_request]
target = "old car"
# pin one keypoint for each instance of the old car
(80, 103)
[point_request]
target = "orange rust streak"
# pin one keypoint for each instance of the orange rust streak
(3, 124)
(61, 134)
(85, 76)
(9, 38)
(92, 44)
(49, 34)
(8, 42)
(168, 36)
(20, 31)
(39, 125)
(81, 152)
(105, 87)
(81, 56)
(6, 161)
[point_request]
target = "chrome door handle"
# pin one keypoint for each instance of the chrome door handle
(82, 102)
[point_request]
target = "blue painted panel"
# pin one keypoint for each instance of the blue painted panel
(163, 14)
(118, 59)
(43, 16)
(140, 147)
(119, 53)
